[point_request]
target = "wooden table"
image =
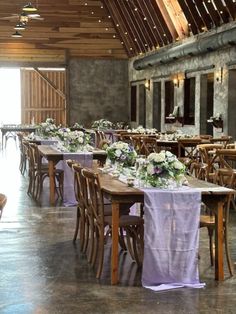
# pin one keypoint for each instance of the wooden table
(11, 129)
(54, 156)
(213, 196)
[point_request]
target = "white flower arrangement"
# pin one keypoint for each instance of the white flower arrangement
(73, 141)
(140, 129)
(102, 124)
(122, 153)
(162, 170)
(47, 129)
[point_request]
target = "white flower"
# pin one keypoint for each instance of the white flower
(160, 157)
(150, 169)
(80, 140)
(118, 153)
(178, 165)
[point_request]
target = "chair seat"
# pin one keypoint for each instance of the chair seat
(207, 220)
(125, 220)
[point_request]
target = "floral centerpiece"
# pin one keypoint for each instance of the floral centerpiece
(122, 153)
(73, 141)
(102, 124)
(142, 130)
(47, 129)
(77, 126)
(163, 170)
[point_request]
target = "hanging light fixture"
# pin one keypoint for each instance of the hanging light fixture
(20, 26)
(29, 8)
(16, 35)
(24, 17)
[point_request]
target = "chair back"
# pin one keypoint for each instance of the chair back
(80, 187)
(100, 137)
(3, 200)
(148, 145)
(225, 140)
(208, 157)
(95, 196)
(187, 147)
(227, 158)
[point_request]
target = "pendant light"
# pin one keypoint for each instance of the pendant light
(20, 26)
(16, 35)
(29, 8)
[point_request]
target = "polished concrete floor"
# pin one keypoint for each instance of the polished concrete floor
(41, 271)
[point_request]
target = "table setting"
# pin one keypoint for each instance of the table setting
(171, 215)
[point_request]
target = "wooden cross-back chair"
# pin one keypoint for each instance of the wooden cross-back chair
(227, 158)
(38, 171)
(23, 153)
(148, 145)
(133, 225)
(208, 157)
(3, 201)
(225, 140)
(207, 219)
(187, 147)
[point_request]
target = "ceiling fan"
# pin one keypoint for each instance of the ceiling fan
(29, 12)
(23, 17)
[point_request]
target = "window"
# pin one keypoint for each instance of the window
(189, 100)
(169, 99)
(133, 109)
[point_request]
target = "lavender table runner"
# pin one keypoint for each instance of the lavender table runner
(171, 238)
(85, 159)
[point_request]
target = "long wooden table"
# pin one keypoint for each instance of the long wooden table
(54, 156)
(11, 129)
(213, 196)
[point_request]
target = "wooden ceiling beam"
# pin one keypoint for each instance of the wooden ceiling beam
(213, 13)
(204, 14)
(231, 6)
(149, 24)
(191, 22)
(160, 23)
(140, 36)
(124, 32)
(195, 14)
(223, 12)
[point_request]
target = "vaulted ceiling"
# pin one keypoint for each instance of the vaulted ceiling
(105, 29)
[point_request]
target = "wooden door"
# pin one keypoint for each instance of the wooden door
(43, 95)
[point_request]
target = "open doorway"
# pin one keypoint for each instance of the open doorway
(10, 96)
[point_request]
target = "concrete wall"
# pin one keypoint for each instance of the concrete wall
(98, 89)
(222, 92)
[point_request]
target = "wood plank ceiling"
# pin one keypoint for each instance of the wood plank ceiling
(105, 29)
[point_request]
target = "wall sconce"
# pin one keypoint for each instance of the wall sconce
(147, 84)
(176, 82)
(219, 75)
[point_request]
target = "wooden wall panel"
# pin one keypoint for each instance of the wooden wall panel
(42, 95)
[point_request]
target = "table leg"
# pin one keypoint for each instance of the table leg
(51, 170)
(115, 237)
(216, 203)
(2, 139)
(219, 241)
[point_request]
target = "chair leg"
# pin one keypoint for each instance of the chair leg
(100, 255)
(86, 235)
(91, 240)
(77, 225)
(210, 234)
(122, 240)
(95, 247)
(227, 251)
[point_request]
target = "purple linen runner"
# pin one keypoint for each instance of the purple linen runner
(171, 237)
(85, 159)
